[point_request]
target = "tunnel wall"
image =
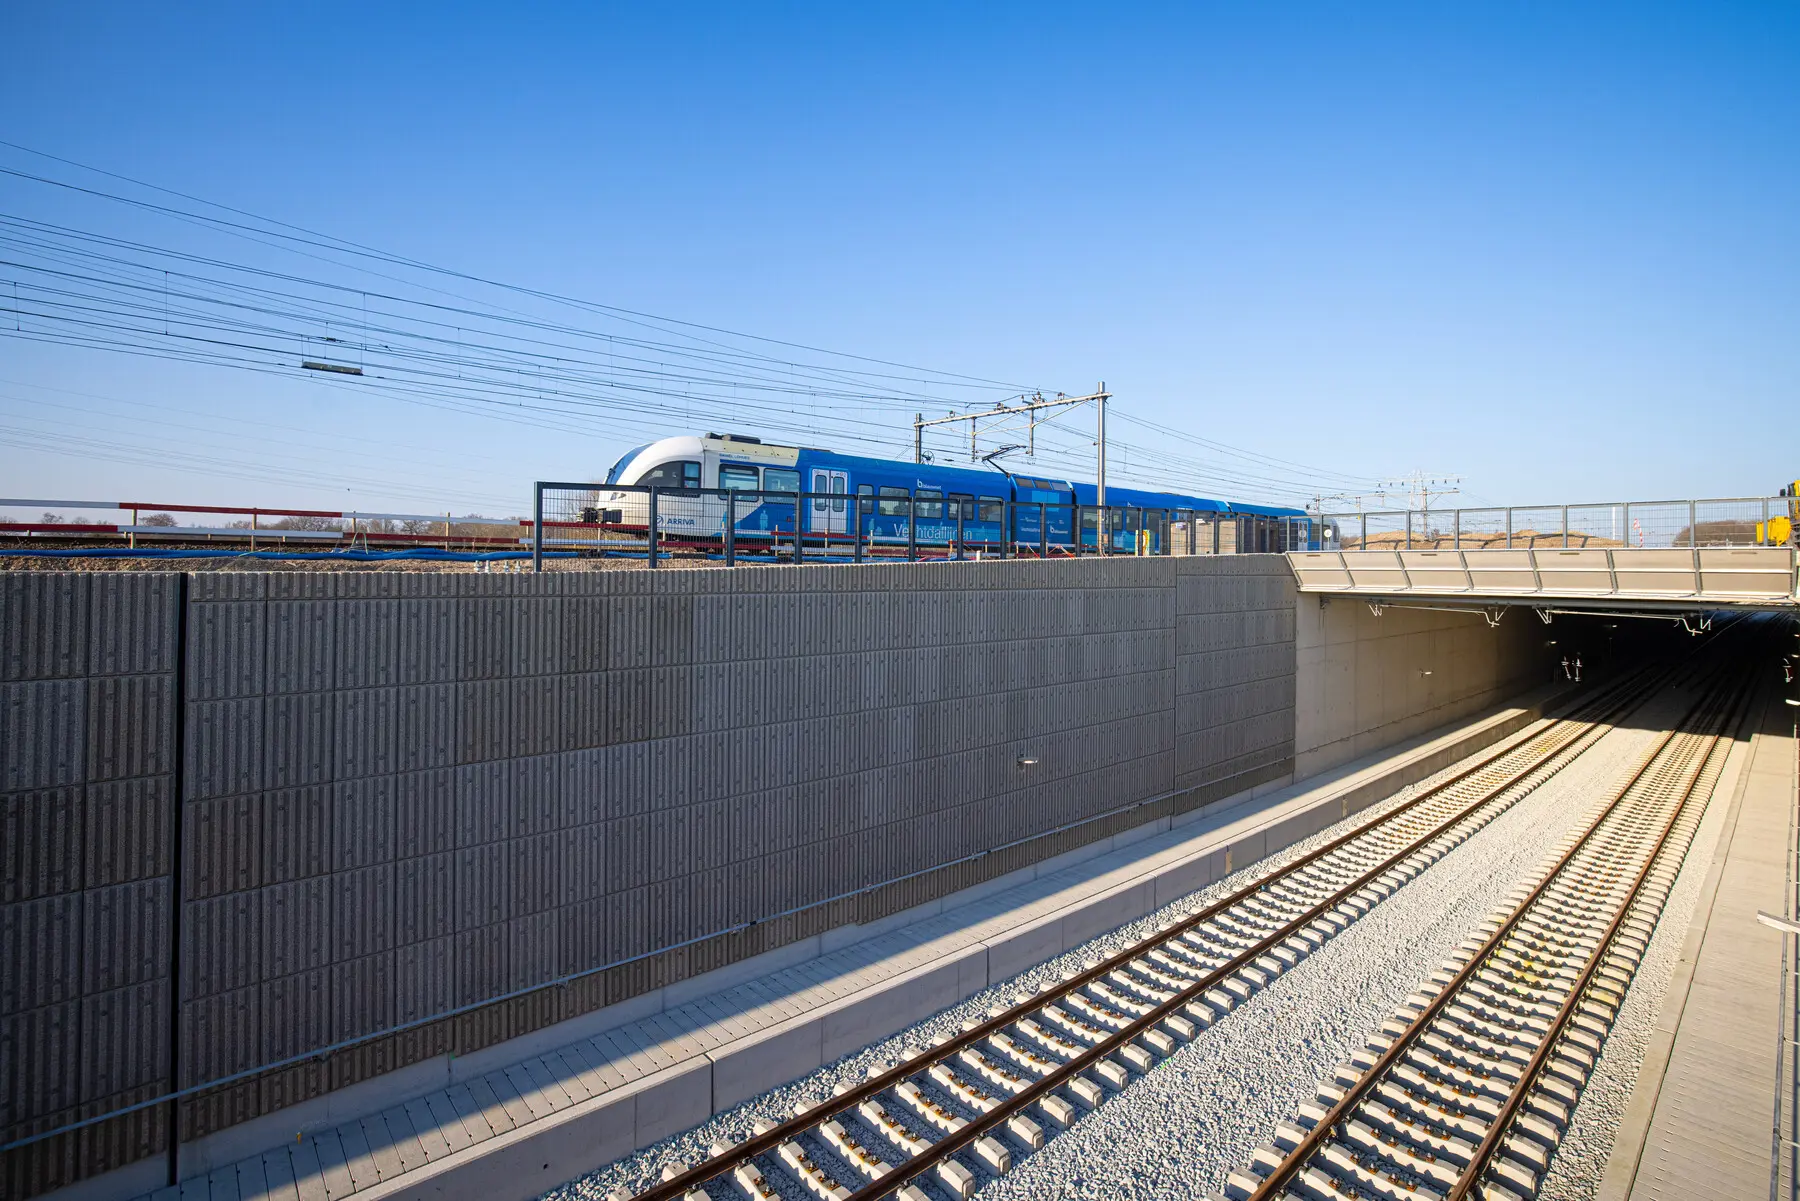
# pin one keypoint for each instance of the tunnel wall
(1366, 682)
(405, 795)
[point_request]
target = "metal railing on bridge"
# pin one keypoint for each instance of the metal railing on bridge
(1659, 524)
(740, 525)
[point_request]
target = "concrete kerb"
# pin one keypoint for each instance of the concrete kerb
(1619, 1176)
(1233, 833)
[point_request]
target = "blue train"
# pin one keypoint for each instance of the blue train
(886, 501)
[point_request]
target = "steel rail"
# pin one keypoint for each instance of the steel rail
(1278, 1178)
(981, 1125)
(1595, 713)
(1490, 1144)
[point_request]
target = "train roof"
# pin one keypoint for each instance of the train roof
(973, 480)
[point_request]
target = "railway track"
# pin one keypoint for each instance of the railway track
(1467, 1090)
(950, 1117)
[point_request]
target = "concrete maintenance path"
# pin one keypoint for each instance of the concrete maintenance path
(1700, 1120)
(516, 1120)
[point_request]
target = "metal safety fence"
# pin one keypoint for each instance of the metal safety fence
(731, 525)
(1663, 524)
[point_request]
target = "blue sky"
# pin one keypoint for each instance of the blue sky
(1550, 248)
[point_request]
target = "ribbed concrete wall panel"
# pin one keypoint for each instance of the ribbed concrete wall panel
(365, 732)
(424, 812)
(41, 842)
(302, 654)
(299, 740)
(129, 724)
(40, 1063)
(424, 898)
(296, 833)
(133, 623)
(296, 1014)
(43, 734)
(221, 1033)
(126, 830)
(430, 645)
(298, 930)
(221, 948)
(42, 945)
(43, 626)
(125, 1039)
(224, 755)
(125, 935)
(484, 639)
(367, 643)
(228, 650)
(364, 992)
(362, 823)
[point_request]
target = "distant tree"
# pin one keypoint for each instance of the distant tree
(164, 519)
(50, 519)
(305, 523)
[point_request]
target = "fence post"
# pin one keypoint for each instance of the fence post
(1009, 519)
(1456, 529)
(1509, 521)
(730, 528)
(856, 538)
(1694, 534)
(537, 527)
(912, 529)
(650, 528)
(1565, 517)
(1409, 529)
(1625, 526)
(958, 554)
(799, 526)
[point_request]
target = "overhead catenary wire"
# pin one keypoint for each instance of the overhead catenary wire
(424, 344)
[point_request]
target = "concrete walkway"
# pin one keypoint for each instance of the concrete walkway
(1699, 1122)
(512, 1129)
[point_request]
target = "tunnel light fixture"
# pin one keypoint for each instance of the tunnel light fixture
(1024, 761)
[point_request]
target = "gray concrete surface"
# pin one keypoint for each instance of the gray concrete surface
(1700, 1119)
(407, 794)
(624, 1078)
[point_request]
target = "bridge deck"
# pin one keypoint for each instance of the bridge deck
(1679, 579)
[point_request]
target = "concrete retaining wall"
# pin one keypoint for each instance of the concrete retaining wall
(1366, 682)
(407, 794)
(87, 770)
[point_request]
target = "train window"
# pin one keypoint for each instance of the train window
(866, 493)
(961, 501)
(737, 477)
(673, 475)
(780, 479)
(838, 485)
(893, 501)
(928, 503)
(992, 509)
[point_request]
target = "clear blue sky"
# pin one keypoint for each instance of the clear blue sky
(1554, 248)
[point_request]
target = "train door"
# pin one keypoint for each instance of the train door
(830, 504)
